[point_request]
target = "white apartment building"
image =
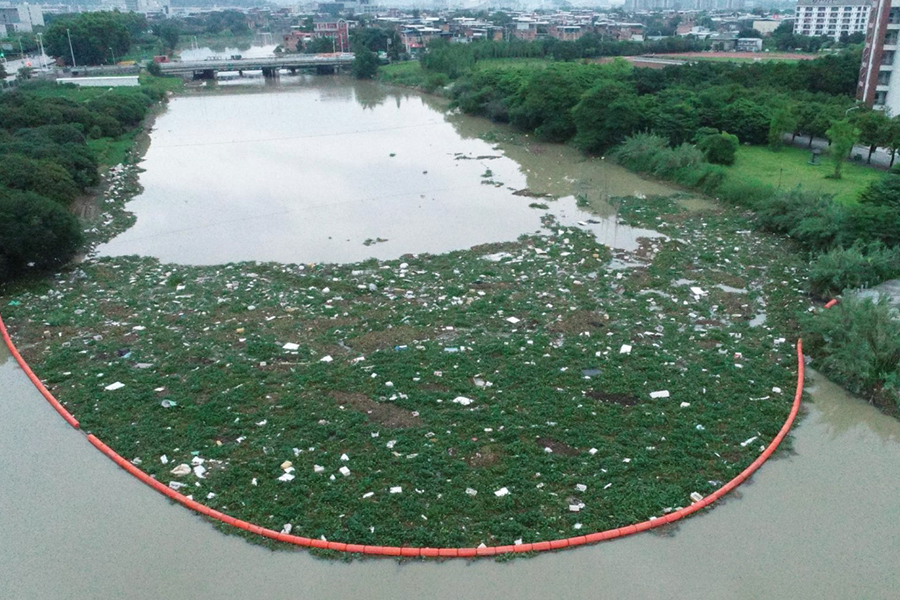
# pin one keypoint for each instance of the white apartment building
(831, 17)
(878, 86)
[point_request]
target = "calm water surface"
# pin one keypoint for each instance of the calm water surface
(311, 171)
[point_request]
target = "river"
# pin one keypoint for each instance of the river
(821, 523)
(271, 168)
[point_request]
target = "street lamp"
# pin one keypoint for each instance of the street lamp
(69, 34)
(113, 52)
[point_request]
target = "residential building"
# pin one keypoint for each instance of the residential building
(749, 45)
(338, 29)
(831, 18)
(20, 18)
(878, 87)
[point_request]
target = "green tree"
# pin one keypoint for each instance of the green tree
(874, 129)
(168, 34)
(35, 233)
(321, 45)
(784, 120)
(719, 148)
(43, 177)
(607, 113)
(842, 135)
(94, 35)
(365, 63)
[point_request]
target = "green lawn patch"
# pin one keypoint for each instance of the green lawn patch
(482, 396)
(789, 168)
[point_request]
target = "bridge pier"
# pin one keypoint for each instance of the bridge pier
(270, 72)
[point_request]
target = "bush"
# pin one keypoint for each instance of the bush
(749, 193)
(154, 69)
(858, 345)
(35, 233)
(719, 148)
(43, 177)
(435, 81)
(671, 161)
(817, 223)
(638, 152)
(860, 265)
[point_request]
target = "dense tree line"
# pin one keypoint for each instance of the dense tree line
(95, 36)
(46, 162)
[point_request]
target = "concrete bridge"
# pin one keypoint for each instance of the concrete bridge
(269, 65)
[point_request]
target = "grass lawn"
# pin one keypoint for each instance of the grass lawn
(790, 168)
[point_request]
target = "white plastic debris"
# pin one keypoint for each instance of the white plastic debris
(625, 349)
(472, 491)
(776, 390)
(344, 457)
(287, 528)
(592, 451)
(291, 346)
(168, 403)
(286, 477)
(344, 471)
(463, 400)
(501, 492)
(574, 508)
(326, 359)
(660, 394)
(513, 320)
(368, 494)
(684, 404)
(580, 487)
(747, 442)
(114, 386)
(176, 485)
(396, 490)
(318, 469)
(164, 459)
(180, 470)
(696, 496)
(199, 471)
(698, 292)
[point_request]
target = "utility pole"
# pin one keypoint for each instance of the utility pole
(40, 38)
(113, 52)
(68, 33)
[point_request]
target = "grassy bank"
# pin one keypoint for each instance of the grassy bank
(789, 168)
(444, 380)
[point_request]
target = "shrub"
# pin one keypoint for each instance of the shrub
(434, 81)
(154, 69)
(817, 223)
(670, 161)
(638, 152)
(745, 192)
(35, 233)
(858, 344)
(43, 177)
(719, 148)
(858, 266)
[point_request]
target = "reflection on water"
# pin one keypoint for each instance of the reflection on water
(312, 170)
(821, 523)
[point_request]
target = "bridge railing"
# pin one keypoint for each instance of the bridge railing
(259, 63)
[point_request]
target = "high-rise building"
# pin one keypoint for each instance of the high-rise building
(831, 18)
(878, 86)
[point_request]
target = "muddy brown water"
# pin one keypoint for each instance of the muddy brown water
(822, 523)
(311, 170)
